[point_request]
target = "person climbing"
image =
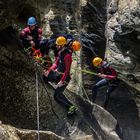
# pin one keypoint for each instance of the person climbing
(31, 35)
(109, 79)
(60, 73)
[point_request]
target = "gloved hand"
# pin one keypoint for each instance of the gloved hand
(60, 84)
(101, 75)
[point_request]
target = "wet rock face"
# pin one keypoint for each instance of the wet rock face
(87, 18)
(62, 17)
(8, 132)
(93, 20)
(5, 16)
(16, 91)
(93, 26)
(10, 10)
(123, 40)
(122, 50)
(16, 11)
(17, 94)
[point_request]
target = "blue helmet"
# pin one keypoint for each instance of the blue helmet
(31, 21)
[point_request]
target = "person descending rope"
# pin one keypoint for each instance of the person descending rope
(109, 79)
(31, 35)
(50, 44)
(60, 73)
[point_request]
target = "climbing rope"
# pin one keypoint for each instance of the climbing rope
(86, 71)
(37, 106)
(43, 83)
(80, 86)
(51, 104)
(40, 77)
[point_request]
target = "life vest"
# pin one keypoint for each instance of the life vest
(61, 64)
(108, 70)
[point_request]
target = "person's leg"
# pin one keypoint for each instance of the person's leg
(99, 84)
(107, 95)
(51, 77)
(60, 97)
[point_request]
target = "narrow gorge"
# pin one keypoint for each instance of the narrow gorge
(106, 28)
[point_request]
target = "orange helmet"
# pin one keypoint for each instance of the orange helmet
(76, 45)
(96, 61)
(61, 40)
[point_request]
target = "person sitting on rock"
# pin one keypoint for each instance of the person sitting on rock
(109, 79)
(60, 74)
(31, 35)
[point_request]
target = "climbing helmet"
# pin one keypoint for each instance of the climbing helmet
(61, 40)
(76, 45)
(96, 61)
(31, 21)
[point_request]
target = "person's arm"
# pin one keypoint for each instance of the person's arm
(112, 76)
(25, 37)
(22, 35)
(39, 33)
(53, 67)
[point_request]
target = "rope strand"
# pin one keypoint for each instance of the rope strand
(40, 76)
(37, 106)
(42, 81)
